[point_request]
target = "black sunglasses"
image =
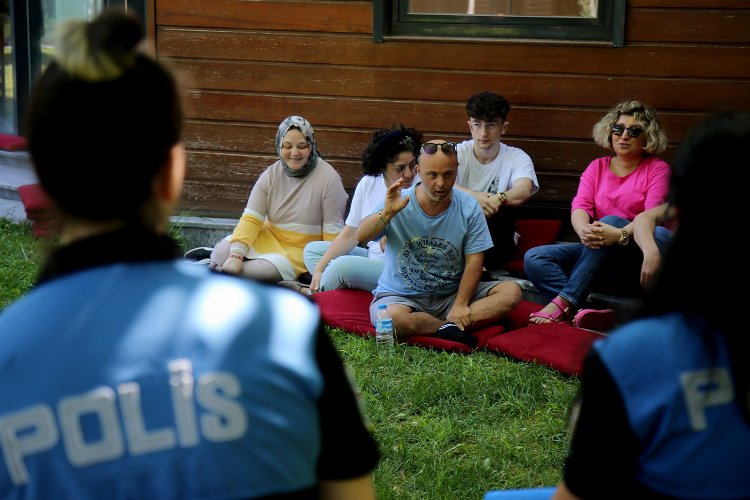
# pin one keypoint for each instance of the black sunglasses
(431, 148)
(633, 132)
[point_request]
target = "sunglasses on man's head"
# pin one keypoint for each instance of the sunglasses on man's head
(633, 131)
(431, 148)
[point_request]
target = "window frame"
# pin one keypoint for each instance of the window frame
(23, 72)
(391, 19)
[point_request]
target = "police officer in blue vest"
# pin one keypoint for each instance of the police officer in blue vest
(129, 373)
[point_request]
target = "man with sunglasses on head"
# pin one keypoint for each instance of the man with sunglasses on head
(496, 174)
(437, 237)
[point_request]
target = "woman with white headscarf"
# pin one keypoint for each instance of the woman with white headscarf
(298, 199)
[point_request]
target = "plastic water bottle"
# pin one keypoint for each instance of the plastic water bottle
(383, 327)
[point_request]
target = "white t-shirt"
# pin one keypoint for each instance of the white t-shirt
(497, 176)
(368, 198)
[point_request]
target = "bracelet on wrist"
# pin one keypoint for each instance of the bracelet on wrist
(380, 216)
(502, 197)
(236, 256)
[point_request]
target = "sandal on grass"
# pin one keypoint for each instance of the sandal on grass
(558, 316)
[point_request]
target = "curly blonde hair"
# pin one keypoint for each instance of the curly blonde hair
(656, 138)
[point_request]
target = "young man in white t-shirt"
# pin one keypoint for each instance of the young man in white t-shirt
(496, 174)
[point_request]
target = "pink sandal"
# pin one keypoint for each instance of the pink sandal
(559, 316)
(600, 320)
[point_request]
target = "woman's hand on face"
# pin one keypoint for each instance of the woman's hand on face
(233, 265)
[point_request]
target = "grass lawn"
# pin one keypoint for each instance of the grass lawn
(449, 426)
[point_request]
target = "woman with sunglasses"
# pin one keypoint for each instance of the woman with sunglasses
(612, 191)
(391, 155)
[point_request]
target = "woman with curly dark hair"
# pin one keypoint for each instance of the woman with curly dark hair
(343, 263)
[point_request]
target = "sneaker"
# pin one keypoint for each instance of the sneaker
(451, 331)
(199, 253)
(599, 320)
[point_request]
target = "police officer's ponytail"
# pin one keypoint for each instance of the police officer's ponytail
(102, 120)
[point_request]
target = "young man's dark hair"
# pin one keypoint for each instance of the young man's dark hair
(488, 106)
(497, 175)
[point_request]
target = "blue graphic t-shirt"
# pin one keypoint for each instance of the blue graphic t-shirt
(424, 255)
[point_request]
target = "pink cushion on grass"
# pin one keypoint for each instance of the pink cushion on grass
(557, 345)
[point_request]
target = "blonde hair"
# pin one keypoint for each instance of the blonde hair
(103, 105)
(98, 51)
(656, 137)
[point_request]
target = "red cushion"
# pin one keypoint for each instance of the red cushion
(346, 309)
(35, 201)
(43, 228)
(10, 142)
(350, 311)
(515, 268)
(534, 233)
(39, 209)
(559, 346)
(482, 335)
(519, 316)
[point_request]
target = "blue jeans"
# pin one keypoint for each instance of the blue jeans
(572, 270)
(354, 270)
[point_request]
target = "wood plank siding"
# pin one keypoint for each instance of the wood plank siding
(248, 64)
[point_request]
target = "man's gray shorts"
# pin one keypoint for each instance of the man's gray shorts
(435, 305)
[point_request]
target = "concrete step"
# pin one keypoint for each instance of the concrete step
(15, 171)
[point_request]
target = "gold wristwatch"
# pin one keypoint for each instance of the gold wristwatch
(502, 197)
(624, 238)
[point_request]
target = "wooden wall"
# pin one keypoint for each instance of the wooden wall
(249, 64)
